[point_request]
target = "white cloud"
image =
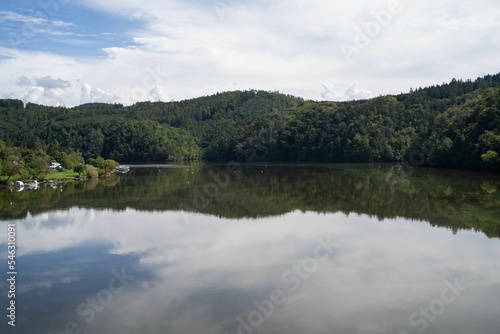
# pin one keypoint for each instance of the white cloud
(49, 83)
(55, 32)
(35, 20)
(94, 94)
(158, 94)
(291, 46)
(330, 93)
(43, 90)
(47, 96)
(24, 81)
(356, 93)
(363, 278)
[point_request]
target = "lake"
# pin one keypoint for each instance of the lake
(230, 248)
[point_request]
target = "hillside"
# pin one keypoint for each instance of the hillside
(454, 125)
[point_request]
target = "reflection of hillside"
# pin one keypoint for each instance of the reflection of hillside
(456, 200)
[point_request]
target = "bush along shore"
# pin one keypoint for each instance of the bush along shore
(20, 167)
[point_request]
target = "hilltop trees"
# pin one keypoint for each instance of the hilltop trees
(451, 125)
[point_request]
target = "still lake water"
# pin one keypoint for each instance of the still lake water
(316, 249)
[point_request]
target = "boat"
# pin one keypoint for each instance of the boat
(33, 185)
(122, 169)
(19, 186)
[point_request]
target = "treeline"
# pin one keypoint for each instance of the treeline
(465, 135)
(453, 125)
(123, 140)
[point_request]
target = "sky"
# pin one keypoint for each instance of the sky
(66, 53)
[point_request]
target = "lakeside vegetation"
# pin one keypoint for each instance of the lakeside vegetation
(69, 174)
(453, 125)
(25, 164)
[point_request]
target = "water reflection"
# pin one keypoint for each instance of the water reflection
(258, 249)
(329, 273)
(452, 199)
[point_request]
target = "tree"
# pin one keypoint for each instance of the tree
(108, 167)
(69, 161)
(97, 162)
(13, 165)
(79, 169)
(37, 166)
(452, 125)
(5, 151)
(491, 159)
(358, 150)
(91, 172)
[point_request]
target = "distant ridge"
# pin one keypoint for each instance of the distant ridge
(453, 125)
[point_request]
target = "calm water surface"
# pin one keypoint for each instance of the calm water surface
(258, 249)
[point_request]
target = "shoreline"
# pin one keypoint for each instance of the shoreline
(54, 180)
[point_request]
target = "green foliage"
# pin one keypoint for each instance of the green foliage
(30, 164)
(70, 160)
(79, 169)
(68, 174)
(490, 157)
(108, 167)
(91, 172)
(37, 165)
(11, 104)
(12, 165)
(451, 125)
(97, 162)
(358, 149)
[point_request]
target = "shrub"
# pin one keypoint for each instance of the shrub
(91, 172)
(79, 169)
(108, 167)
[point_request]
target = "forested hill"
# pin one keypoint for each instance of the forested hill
(451, 125)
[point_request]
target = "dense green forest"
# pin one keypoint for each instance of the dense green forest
(453, 125)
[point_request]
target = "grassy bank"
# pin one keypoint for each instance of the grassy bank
(61, 175)
(51, 176)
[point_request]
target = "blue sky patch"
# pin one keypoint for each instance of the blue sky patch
(64, 29)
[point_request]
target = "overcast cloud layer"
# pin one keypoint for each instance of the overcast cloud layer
(60, 52)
